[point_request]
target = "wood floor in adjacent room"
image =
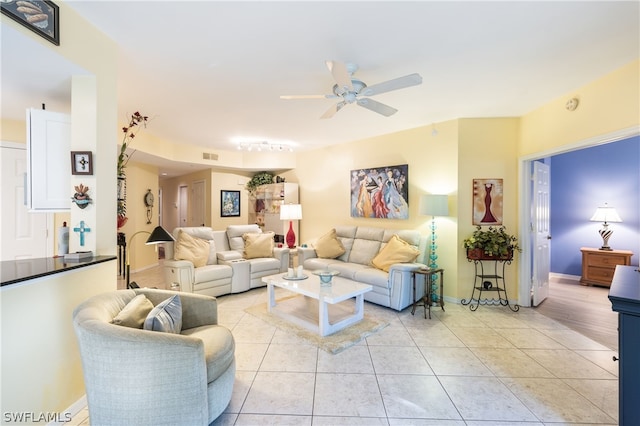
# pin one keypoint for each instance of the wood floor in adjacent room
(585, 309)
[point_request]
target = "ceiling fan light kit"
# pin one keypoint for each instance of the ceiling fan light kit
(352, 90)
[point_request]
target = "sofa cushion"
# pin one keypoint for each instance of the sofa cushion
(363, 251)
(212, 273)
(258, 244)
(346, 234)
(193, 249)
(218, 348)
(264, 264)
(329, 246)
(235, 233)
(372, 276)
(395, 251)
(166, 316)
(134, 312)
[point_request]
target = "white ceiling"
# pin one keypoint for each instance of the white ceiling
(208, 72)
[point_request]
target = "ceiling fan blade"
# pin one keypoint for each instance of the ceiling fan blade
(376, 106)
(340, 75)
(395, 84)
(332, 111)
(331, 96)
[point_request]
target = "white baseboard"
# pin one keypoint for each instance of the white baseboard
(567, 277)
(70, 412)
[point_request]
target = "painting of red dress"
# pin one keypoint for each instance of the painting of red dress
(487, 201)
(381, 192)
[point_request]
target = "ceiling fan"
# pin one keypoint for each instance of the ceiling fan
(351, 90)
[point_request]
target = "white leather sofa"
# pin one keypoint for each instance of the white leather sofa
(393, 289)
(226, 269)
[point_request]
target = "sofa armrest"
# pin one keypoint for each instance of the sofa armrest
(178, 263)
(229, 255)
(305, 253)
(402, 267)
(282, 254)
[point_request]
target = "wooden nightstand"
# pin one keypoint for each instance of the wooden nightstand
(598, 266)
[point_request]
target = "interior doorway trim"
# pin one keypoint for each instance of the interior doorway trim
(524, 199)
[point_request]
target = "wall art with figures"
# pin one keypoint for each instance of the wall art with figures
(380, 192)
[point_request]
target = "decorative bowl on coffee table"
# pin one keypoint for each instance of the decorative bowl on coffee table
(325, 276)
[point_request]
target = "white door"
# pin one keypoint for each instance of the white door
(183, 203)
(23, 235)
(197, 202)
(541, 232)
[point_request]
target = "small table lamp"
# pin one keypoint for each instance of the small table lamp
(158, 235)
(291, 212)
(605, 214)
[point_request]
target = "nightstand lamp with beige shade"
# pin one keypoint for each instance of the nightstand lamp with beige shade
(605, 214)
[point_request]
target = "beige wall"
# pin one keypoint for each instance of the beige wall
(487, 149)
(607, 105)
(41, 366)
(140, 177)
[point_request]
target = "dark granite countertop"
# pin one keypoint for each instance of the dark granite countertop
(16, 271)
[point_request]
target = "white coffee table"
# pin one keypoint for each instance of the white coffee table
(322, 310)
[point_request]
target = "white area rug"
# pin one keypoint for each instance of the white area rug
(334, 343)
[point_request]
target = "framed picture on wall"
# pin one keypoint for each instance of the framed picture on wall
(380, 192)
(487, 201)
(229, 203)
(40, 16)
(81, 163)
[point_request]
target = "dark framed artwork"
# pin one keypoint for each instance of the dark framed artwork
(81, 163)
(229, 203)
(40, 16)
(487, 201)
(380, 192)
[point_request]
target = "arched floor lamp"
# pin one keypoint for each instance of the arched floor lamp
(157, 236)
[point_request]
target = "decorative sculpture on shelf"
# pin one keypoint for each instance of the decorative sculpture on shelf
(81, 198)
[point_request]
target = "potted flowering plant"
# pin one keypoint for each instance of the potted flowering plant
(130, 132)
(491, 243)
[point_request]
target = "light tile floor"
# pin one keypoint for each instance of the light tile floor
(489, 367)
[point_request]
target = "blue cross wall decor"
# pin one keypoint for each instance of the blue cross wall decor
(82, 229)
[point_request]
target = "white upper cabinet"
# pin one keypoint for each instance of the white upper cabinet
(49, 159)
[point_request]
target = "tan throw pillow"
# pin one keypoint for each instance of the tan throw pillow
(134, 312)
(258, 244)
(329, 246)
(395, 251)
(193, 249)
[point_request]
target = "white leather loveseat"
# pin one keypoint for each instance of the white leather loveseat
(364, 259)
(222, 262)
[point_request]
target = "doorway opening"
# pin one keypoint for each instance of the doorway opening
(525, 202)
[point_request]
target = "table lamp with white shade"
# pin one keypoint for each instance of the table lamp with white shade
(291, 212)
(605, 214)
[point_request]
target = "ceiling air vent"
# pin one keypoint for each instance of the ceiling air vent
(209, 156)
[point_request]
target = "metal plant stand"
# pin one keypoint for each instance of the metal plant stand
(485, 281)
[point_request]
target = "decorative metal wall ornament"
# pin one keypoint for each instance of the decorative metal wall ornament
(81, 197)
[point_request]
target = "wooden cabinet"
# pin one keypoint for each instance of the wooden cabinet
(265, 205)
(625, 299)
(598, 266)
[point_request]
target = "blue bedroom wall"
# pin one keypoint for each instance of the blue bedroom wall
(580, 182)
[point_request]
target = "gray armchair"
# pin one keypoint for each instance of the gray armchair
(141, 377)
